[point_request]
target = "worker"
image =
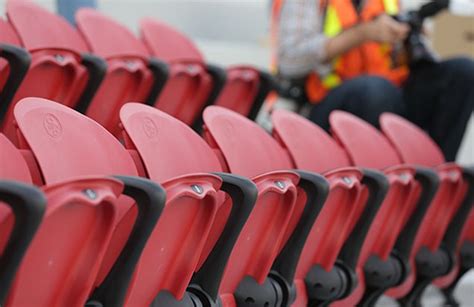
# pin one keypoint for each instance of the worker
(341, 53)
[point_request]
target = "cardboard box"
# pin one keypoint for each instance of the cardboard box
(453, 35)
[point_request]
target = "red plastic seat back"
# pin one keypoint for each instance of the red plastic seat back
(55, 46)
(245, 145)
(240, 90)
(70, 146)
(69, 245)
(168, 147)
(312, 149)
(128, 77)
(172, 152)
(49, 31)
(58, 135)
(309, 145)
(167, 43)
(12, 167)
(365, 142)
(251, 152)
(12, 163)
(416, 147)
(413, 145)
(7, 36)
(366, 146)
(189, 84)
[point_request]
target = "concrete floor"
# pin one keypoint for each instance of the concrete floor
(432, 298)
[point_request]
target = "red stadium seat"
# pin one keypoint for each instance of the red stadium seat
(86, 226)
(14, 63)
(21, 211)
(245, 90)
(192, 84)
(50, 257)
(8, 34)
(130, 74)
(312, 149)
(443, 224)
(171, 251)
(154, 134)
(18, 229)
(242, 89)
(245, 149)
(60, 67)
(369, 148)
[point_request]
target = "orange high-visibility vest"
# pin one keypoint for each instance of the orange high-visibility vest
(370, 58)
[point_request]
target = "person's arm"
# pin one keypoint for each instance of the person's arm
(383, 29)
(303, 47)
(301, 43)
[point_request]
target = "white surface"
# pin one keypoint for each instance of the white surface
(466, 152)
(432, 297)
(462, 7)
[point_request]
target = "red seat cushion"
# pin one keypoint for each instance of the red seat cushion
(313, 149)
(415, 147)
(127, 59)
(56, 71)
(12, 167)
(240, 90)
(189, 84)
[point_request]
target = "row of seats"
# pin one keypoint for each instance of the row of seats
(271, 234)
(134, 208)
(98, 66)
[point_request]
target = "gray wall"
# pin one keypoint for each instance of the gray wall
(243, 21)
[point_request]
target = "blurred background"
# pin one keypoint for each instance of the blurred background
(237, 31)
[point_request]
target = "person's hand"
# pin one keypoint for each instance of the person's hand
(385, 29)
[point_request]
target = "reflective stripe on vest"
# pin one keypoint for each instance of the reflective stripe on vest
(333, 26)
(391, 7)
(318, 86)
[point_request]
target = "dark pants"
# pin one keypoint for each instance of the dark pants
(439, 98)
